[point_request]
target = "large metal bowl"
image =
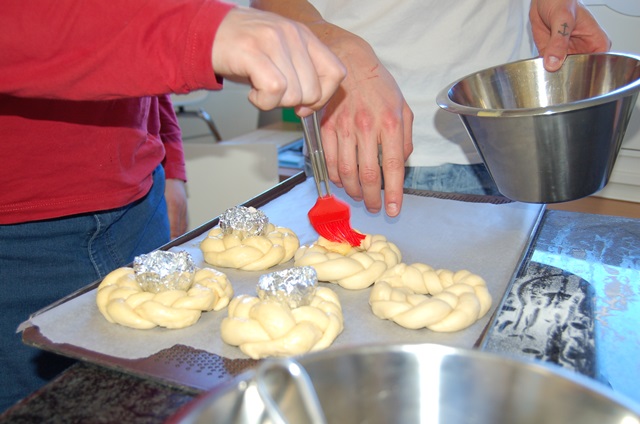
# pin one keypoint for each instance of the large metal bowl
(548, 137)
(422, 383)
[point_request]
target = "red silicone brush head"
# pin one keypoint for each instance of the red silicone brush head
(331, 217)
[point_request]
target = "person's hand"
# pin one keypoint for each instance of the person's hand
(367, 114)
(562, 27)
(175, 195)
(285, 64)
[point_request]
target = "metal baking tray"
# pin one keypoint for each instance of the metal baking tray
(196, 370)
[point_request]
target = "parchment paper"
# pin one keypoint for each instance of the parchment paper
(486, 239)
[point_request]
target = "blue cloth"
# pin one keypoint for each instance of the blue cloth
(41, 262)
(452, 178)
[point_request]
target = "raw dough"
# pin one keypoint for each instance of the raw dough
(253, 253)
(354, 268)
(418, 296)
(271, 328)
(121, 300)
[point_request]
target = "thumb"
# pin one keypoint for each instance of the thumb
(556, 49)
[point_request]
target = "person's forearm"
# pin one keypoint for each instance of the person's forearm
(298, 10)
(92, 50)
(304, 12)
(336, 38)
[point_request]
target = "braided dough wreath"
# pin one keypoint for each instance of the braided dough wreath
(122, 301)
(418, 296)
(271, 328)
(353, 268)
(253, 253)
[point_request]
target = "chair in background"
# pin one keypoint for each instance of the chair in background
(181, 101)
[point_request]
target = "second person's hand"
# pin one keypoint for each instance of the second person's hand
(367, 126)
(562, 27)
(285, 64)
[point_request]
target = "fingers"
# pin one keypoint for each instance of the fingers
(394, 155)
(286, 74)
(363, 145)
(329, 70)
(375, 140)
(366, 130)
(330, 145)
(285, 64)
(561, 26)
(343, 159)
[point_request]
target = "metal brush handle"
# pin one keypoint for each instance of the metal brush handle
(312, 138)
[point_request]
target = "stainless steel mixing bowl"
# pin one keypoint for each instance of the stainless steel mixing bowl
(548, 137)
(421, 383)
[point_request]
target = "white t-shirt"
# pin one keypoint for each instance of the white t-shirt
(427, 45)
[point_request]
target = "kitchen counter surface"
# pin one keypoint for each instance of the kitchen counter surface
(575, 302)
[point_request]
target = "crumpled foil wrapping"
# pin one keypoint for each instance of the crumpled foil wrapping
(160, 271)
(293, 286)
(247, 222)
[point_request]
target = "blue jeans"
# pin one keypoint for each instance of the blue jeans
(451, 178)
(43, 261)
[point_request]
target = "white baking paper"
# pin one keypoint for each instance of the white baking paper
(486, 239)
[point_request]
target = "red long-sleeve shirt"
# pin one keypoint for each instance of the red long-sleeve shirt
(84, 118)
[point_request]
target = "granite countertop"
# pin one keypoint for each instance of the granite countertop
(575, 302)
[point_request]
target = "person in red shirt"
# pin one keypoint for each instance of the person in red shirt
(90, 140)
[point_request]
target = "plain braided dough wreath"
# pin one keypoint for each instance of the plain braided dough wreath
(419, 296)
(353, 268)
(121, 300)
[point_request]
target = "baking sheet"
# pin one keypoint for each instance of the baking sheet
(487, 239)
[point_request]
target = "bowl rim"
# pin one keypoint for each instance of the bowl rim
(445, 102)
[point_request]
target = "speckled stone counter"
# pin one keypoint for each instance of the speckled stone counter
(575, 302)
(87, 393)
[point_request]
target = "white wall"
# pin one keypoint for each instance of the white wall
(224, 175)
(229, 108)
(621, 20)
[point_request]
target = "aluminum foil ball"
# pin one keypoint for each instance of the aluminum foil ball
(293, 286)
(245, 221)
(160, 271)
